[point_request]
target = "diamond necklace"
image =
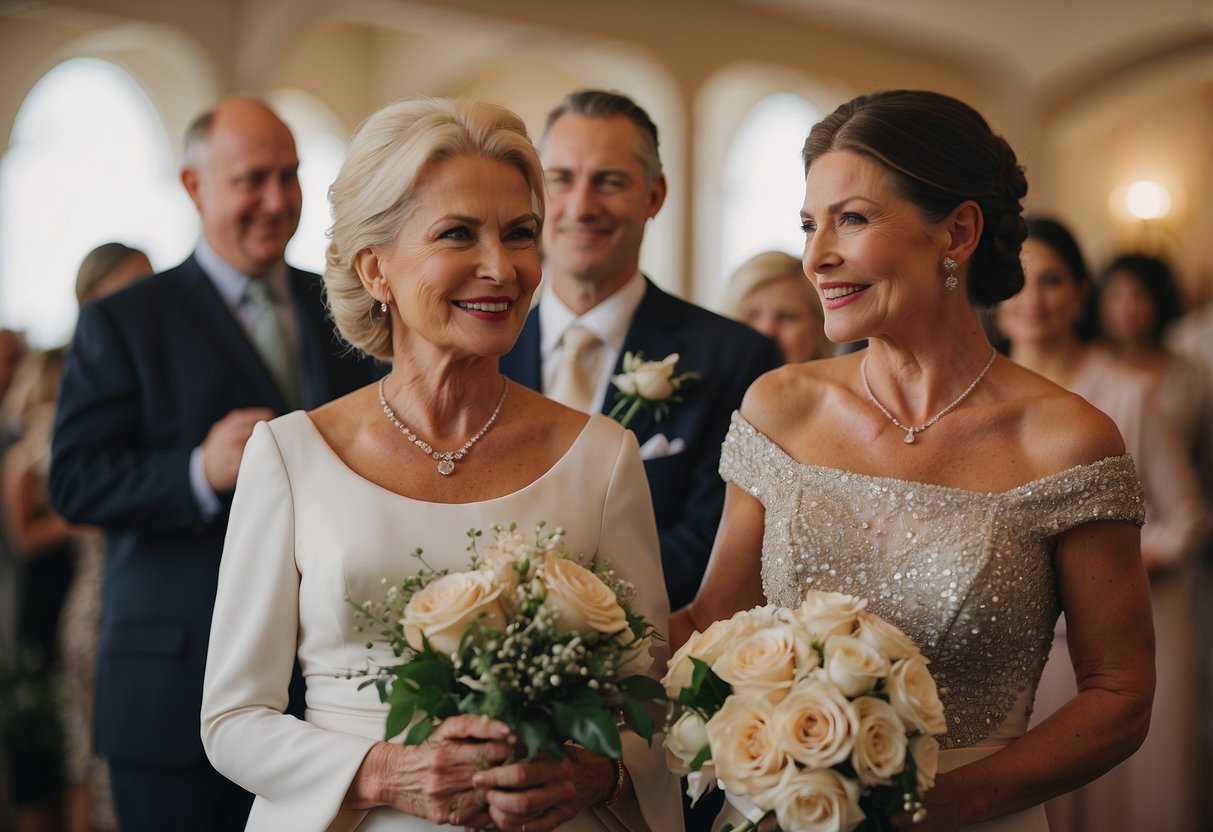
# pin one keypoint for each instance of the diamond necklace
(911, 431)
(446, 459)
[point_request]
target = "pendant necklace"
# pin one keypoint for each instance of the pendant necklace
(911, 431)
(446, 459)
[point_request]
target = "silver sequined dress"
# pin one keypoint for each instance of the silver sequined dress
(968, 575)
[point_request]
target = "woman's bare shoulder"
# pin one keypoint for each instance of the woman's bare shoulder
(790, 396)
(1056, 428)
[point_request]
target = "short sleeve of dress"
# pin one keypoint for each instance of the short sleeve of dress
(742, 455)
(1106, 490)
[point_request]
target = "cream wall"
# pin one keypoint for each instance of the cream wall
(698, 66)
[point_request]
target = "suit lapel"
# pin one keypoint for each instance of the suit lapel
(652, 332)
(317, 339)
(220, 330)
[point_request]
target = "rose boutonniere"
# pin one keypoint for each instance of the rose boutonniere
(648, 385)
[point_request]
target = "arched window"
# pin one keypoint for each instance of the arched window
(763, 181)
(320, 142)
(88, 162)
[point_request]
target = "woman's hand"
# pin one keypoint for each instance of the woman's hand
(541, 794)
(434, 780)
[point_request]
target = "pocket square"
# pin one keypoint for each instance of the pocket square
(659, 446)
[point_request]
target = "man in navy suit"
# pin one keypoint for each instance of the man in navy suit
(604, 183)
(162, 387)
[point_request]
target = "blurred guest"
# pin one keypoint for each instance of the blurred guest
(1135, 300)
(12, 348)
(43, 541)
(88, 805)
(161, 389)
(1155, 788)
(771, 294)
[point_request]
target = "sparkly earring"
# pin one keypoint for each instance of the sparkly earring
(950, 282)
(383, 306)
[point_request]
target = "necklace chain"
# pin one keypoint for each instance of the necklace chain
(910, 430)
(446, 459)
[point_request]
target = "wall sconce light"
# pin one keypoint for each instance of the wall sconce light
(1147, 200)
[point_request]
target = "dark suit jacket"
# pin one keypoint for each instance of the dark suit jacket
(688, 494)
(150, 370)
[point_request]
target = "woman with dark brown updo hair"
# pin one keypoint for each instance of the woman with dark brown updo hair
(967, 499)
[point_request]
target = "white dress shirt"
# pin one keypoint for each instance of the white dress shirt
(608, 320)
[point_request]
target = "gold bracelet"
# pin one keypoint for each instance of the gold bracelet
(616, 790)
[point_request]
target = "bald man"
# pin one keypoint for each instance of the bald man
(162, 387)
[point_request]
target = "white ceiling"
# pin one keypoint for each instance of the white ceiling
(1047, 43)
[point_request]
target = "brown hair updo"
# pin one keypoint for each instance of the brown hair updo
(939, 152)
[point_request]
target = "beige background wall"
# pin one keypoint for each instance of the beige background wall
(1092, 96)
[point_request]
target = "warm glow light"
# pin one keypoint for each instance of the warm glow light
(1147, 200)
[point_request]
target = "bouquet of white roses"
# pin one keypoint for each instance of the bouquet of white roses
(823, 716)
(526, 636)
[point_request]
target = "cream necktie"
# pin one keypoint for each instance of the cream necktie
(270, 340)
(572, 386)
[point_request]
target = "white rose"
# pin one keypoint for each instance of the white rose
(886, 638)
(880, 745)
(825, 614)
(815, 801)
(815, 724)
(707, 647)
(925, 751)
(654, 380)
(683, 742)
(747, 759)
(761, 664)
(854, 666)
(582, 602)
(913, 694)
(444, 609)
(702, 781)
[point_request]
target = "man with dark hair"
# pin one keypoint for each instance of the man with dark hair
(604, 183)
(162, 387)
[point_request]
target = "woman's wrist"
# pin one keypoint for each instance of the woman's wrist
(619, 773)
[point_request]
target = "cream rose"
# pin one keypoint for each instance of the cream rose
(880, 746)
(853, 665)
(636, 659)
(747, 759)
(683, 742)
(825, 614)
(707, 646)
(653, 380)
(444, 609)
(761, 664)
(815, 801)
(913, 694)
(925, 751)
(886, 638)
(582, 602)
(815, 724)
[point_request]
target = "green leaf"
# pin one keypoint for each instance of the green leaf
(707, 691)
(702, 757)
(534, 735)
(419, 732)
(644, 688)
(641, 720)
(398, 718)
(592, 728)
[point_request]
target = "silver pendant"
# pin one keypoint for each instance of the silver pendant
(446, 467)
(909, 440)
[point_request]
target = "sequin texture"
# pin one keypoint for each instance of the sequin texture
(968, 575)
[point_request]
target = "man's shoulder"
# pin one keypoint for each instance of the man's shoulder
(148, 292)
(700, 323)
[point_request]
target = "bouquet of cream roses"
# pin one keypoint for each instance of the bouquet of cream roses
(527, 636)
(823, 716)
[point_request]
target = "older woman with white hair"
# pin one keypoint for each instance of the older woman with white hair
(432, 265)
